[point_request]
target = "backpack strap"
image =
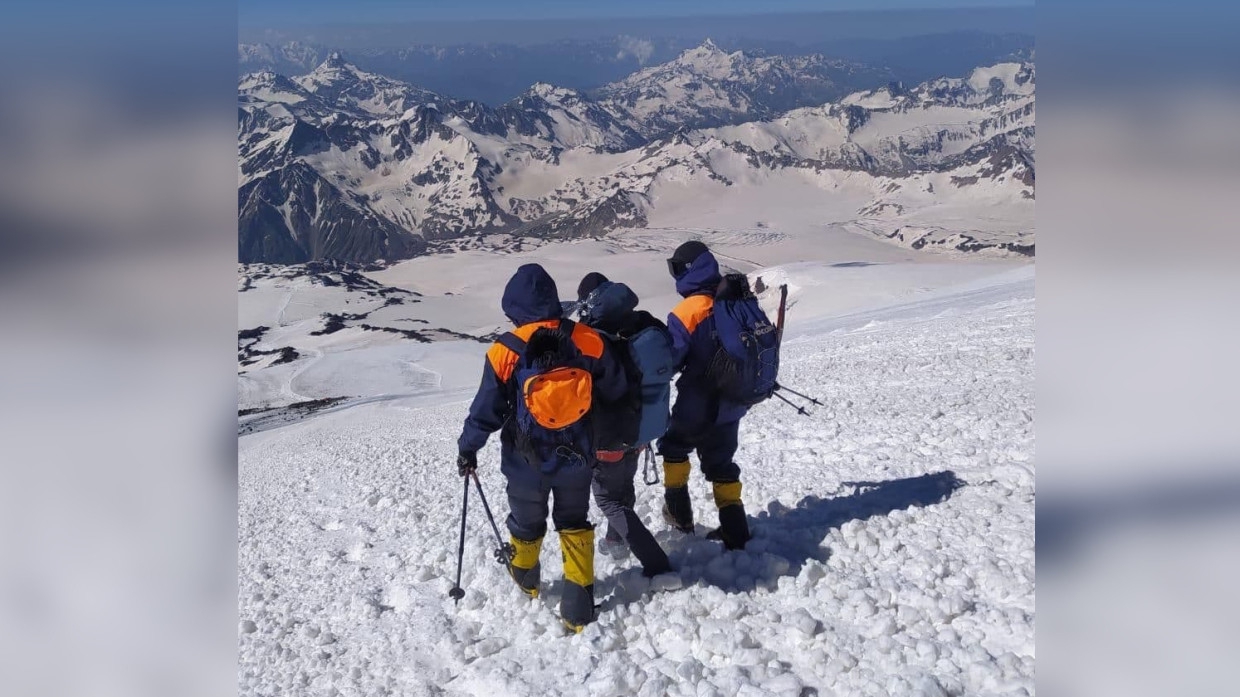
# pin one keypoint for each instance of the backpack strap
(516, 344)
(512, 342)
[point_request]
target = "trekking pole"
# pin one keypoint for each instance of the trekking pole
(802, 396)
(503, 553)
(457, 592)
(800, 410)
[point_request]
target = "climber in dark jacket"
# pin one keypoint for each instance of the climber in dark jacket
(701, 419)
(615, 423)
(531, 302)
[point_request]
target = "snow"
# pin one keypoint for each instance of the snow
(868, 573)
(482, 178)
(875, 99)
(276, 96)
(843, 269)
(815, 133)
(1005, 72)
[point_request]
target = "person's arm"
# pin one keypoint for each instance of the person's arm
(610, 381)
(488, 412)
(684, 321)
(681, 337)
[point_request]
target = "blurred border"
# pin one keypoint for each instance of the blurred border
(117, 372)
(1139, 452)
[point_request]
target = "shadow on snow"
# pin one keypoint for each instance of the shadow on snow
(784, 539)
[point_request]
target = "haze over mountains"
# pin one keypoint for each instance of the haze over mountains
(342, 163)
(497, 72)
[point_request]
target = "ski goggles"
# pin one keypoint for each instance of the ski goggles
(677, 268)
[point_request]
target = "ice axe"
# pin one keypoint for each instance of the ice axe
(779, 318)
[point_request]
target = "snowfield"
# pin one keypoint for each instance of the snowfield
(893, 549)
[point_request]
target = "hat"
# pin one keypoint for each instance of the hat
(689, 251)
(591, 281)
(685, 255)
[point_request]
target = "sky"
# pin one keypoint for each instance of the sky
(320, 22)
(254, 13)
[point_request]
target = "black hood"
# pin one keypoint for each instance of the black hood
(591, 281)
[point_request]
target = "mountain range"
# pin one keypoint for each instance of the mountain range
(341, 163)
(497, 72)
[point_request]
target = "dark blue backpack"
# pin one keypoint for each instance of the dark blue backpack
(746, 362)
(552, 398)
(649, 360)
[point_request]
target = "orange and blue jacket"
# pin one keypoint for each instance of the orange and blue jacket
(531, 302)
(697, 400)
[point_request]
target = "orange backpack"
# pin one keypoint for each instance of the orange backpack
(553, 390)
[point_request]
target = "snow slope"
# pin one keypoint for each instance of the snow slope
(451, 296)
(873, 570)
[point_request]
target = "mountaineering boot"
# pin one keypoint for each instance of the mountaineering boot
(677, 509)
(733, 528)
(613, 545)
(653, 559)
(577, 604)
(525, 569)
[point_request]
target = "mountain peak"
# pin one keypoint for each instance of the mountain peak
(707, 58)
(547, 90)
(706, 49)
(334, 61)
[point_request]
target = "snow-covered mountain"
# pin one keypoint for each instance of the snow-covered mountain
(288, 58)
(497, 72)
(490, 72)
(706, 86)
(893, 131)
(345, 164)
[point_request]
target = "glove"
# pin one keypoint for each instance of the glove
(466, 463)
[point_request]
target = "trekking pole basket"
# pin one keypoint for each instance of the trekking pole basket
(505, 551)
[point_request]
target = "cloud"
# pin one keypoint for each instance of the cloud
(641, 49)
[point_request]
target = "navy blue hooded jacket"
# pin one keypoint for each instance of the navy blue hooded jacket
(530, 301)
(616, 318)
(697, 402)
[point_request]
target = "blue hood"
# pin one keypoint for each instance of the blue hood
(702, 276)
(607, 306)
(530, 296)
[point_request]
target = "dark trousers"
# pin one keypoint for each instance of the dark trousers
(615, 496)
(530, 491)
(715, 445)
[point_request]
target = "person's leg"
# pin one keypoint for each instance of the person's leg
(527, 519)
(674, 447)
(570, 511)
(717, 451)
(614, 492)
(606, 486)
